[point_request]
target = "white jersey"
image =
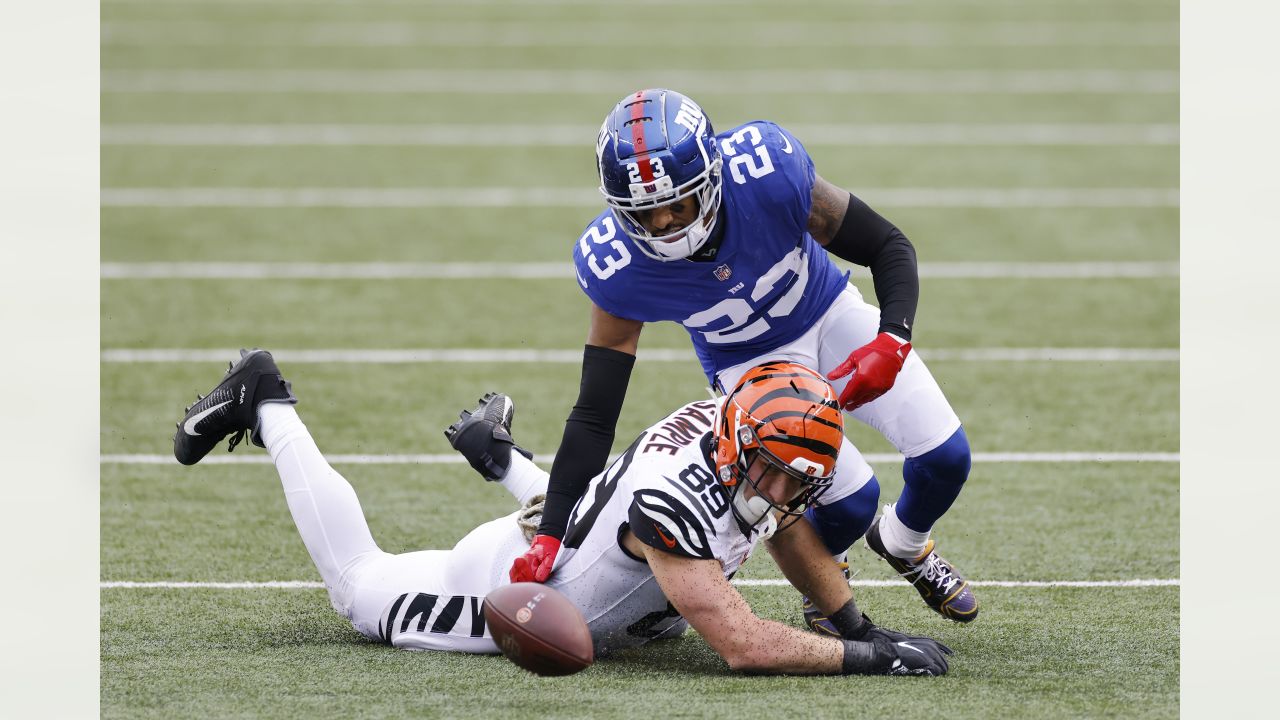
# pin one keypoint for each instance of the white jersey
(663, 489)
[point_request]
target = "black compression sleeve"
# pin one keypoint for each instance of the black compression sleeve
(869, 240)
(850, 622)
(588, 434)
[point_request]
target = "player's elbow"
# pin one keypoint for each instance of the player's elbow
(748, 661)
(747, 650)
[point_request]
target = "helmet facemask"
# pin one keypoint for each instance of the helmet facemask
(753, 508)
(783, 416)
(705, 189)
(655, 148)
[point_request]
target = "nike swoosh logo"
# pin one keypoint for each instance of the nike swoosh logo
(669, 542)
(909, 645)
(786, 145)
(190, 426)
(581, 281)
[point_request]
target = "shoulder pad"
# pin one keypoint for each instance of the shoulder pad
(790, 156)
(602, 251)
(662, 521)
(772, 167)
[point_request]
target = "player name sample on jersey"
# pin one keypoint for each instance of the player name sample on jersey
(663, 490)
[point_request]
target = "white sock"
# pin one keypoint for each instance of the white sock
(900, 540)
(524, 479)
(323, 504)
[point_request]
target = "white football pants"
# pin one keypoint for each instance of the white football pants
(914, 415)
(426, 600)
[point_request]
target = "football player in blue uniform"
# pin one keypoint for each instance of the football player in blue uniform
(730, 235)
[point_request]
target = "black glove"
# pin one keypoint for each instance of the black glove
(870, 649)
(913, 655)
(873, 650)
(860, 627)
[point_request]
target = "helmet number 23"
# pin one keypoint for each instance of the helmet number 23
(757, 165)
(655, 166)
(605, 264)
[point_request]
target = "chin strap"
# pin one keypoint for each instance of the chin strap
(754, 512)
(770, 527)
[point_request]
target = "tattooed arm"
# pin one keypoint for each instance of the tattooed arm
(851, 230)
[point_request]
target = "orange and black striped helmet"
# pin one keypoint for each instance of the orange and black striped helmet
(790, 416)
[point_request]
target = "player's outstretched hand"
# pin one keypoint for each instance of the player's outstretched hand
(874, 366)
(535, 565)
(891, 652)
(914, 655)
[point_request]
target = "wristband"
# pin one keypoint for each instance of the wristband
(865, 658)
(849, 622)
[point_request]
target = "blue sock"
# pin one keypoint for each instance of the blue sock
(932, 482)
(841, 523)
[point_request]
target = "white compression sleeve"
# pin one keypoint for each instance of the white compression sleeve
(900, 540)
(524, 479)
(323, 504)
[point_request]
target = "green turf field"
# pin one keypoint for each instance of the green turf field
(1065, 157)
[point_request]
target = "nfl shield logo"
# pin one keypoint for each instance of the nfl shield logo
(723, 272)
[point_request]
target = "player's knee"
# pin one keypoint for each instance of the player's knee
(842, 522)
(949, 462)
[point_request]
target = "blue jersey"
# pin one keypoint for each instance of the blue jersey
(770, 280)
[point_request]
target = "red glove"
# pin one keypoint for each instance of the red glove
(535, 565)
(874, 366)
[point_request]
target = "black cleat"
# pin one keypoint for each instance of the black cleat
(483, 436)
(231, 407)
(942, 588)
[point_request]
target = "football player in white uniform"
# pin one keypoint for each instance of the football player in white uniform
(649, 549)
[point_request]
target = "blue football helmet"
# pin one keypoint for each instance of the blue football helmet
(657, 147)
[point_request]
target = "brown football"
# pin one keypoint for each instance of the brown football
(538, 629)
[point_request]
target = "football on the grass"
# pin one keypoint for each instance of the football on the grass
(538, 629)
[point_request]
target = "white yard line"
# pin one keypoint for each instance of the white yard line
(627, 3)
(733, 32)
(564, 270)
(1049, 354)
(677, 355)
(744, 582)
(574, 135)
(456, 459)
(336, 271)
(694, 82)
(630, 3)
(418, 197)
